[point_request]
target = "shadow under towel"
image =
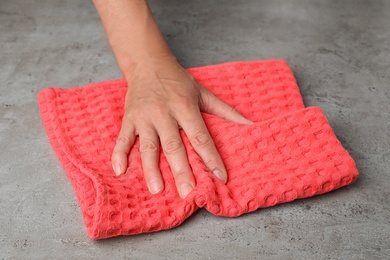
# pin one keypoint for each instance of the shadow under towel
(290, 152)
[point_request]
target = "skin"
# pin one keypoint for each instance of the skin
(161, 98)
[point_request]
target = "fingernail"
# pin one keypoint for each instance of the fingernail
(118, 169)
(220, 175)
(185, 189)
(247, 121)
(155, 186)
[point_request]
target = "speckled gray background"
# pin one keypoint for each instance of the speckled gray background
(339, 52)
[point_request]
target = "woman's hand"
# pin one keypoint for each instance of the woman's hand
(161, 98)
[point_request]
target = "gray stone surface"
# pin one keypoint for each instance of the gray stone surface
(339, 51)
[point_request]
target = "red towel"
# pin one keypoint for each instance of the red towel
(290, 151)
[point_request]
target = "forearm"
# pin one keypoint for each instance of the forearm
(132, 32)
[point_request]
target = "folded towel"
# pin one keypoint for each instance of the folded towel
(290, 151)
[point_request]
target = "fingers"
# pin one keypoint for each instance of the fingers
(122, 147)
(176, 155)
(203, 144)
(213, 105)
(173, 148)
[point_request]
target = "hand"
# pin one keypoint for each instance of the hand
(161, 98)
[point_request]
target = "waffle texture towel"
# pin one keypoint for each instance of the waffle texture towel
(290, 152)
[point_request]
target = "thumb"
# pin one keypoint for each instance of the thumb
(211, 104)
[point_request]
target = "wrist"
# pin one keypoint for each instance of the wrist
(151, 64)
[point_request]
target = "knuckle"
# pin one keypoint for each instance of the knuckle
(158, 109)
(185, 104)
(172, 146)
(141, 111)
(211, 162)
(118, 156)
(123, 140)
(118, 153)
(180, 173)
(206, 98)
(148, 147)
(150, 170)
(128, 116)
(201, 139)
